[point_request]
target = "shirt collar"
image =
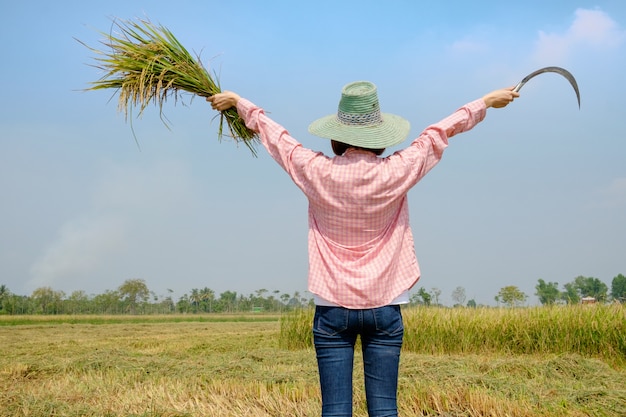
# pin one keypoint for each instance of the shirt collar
(355, 151)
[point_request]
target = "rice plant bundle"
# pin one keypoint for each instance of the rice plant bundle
(146, 64)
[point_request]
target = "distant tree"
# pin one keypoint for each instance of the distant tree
(425, 296)
(133, 291)
(4, 294)
(183, 305)
(511, 296)
(207, 298)
(277, 305)
(258, 300)
(591, 287)
(458, 296)
(107, 302)
(244, 303)
(471, 303)
(168, 303)
(618, 288)
(227, 301)
(298, 300)
(78, 302)
(548, 293)
(17, 304)
(570, 294)
(421, 297)
(47, 300)
(436, 292)
(195, 298)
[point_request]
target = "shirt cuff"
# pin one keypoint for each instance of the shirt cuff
(243, 106)
(477, 105)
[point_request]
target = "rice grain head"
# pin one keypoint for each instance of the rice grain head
(146, 64)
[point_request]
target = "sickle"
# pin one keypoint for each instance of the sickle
(562, 71)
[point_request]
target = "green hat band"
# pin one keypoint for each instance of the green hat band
(356, 119)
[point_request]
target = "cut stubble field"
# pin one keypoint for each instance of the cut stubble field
(194, 366)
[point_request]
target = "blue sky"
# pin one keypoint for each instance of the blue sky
(538, 190)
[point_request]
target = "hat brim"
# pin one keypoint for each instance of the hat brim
(391, 131)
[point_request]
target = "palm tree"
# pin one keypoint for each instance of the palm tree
(207, 296)
(196, 299)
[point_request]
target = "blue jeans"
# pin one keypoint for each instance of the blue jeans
(335, 330)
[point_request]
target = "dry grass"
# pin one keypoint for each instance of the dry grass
(236, 368)
(151, 369)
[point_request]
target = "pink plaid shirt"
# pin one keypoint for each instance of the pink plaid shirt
(361, 251)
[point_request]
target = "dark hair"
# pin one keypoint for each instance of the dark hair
(339, 148)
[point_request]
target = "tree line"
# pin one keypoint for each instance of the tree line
(548, 293)
(134, 297)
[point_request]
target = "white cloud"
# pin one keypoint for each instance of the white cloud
(591, 28)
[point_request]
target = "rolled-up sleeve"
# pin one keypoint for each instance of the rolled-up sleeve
(285, 150)
(427, 149)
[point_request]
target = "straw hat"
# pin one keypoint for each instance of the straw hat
(359, 122)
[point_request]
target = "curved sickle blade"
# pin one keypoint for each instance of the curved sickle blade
(562, 71)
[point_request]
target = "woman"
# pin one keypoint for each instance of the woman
(362, 261)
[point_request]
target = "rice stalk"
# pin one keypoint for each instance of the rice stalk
(146, 64)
